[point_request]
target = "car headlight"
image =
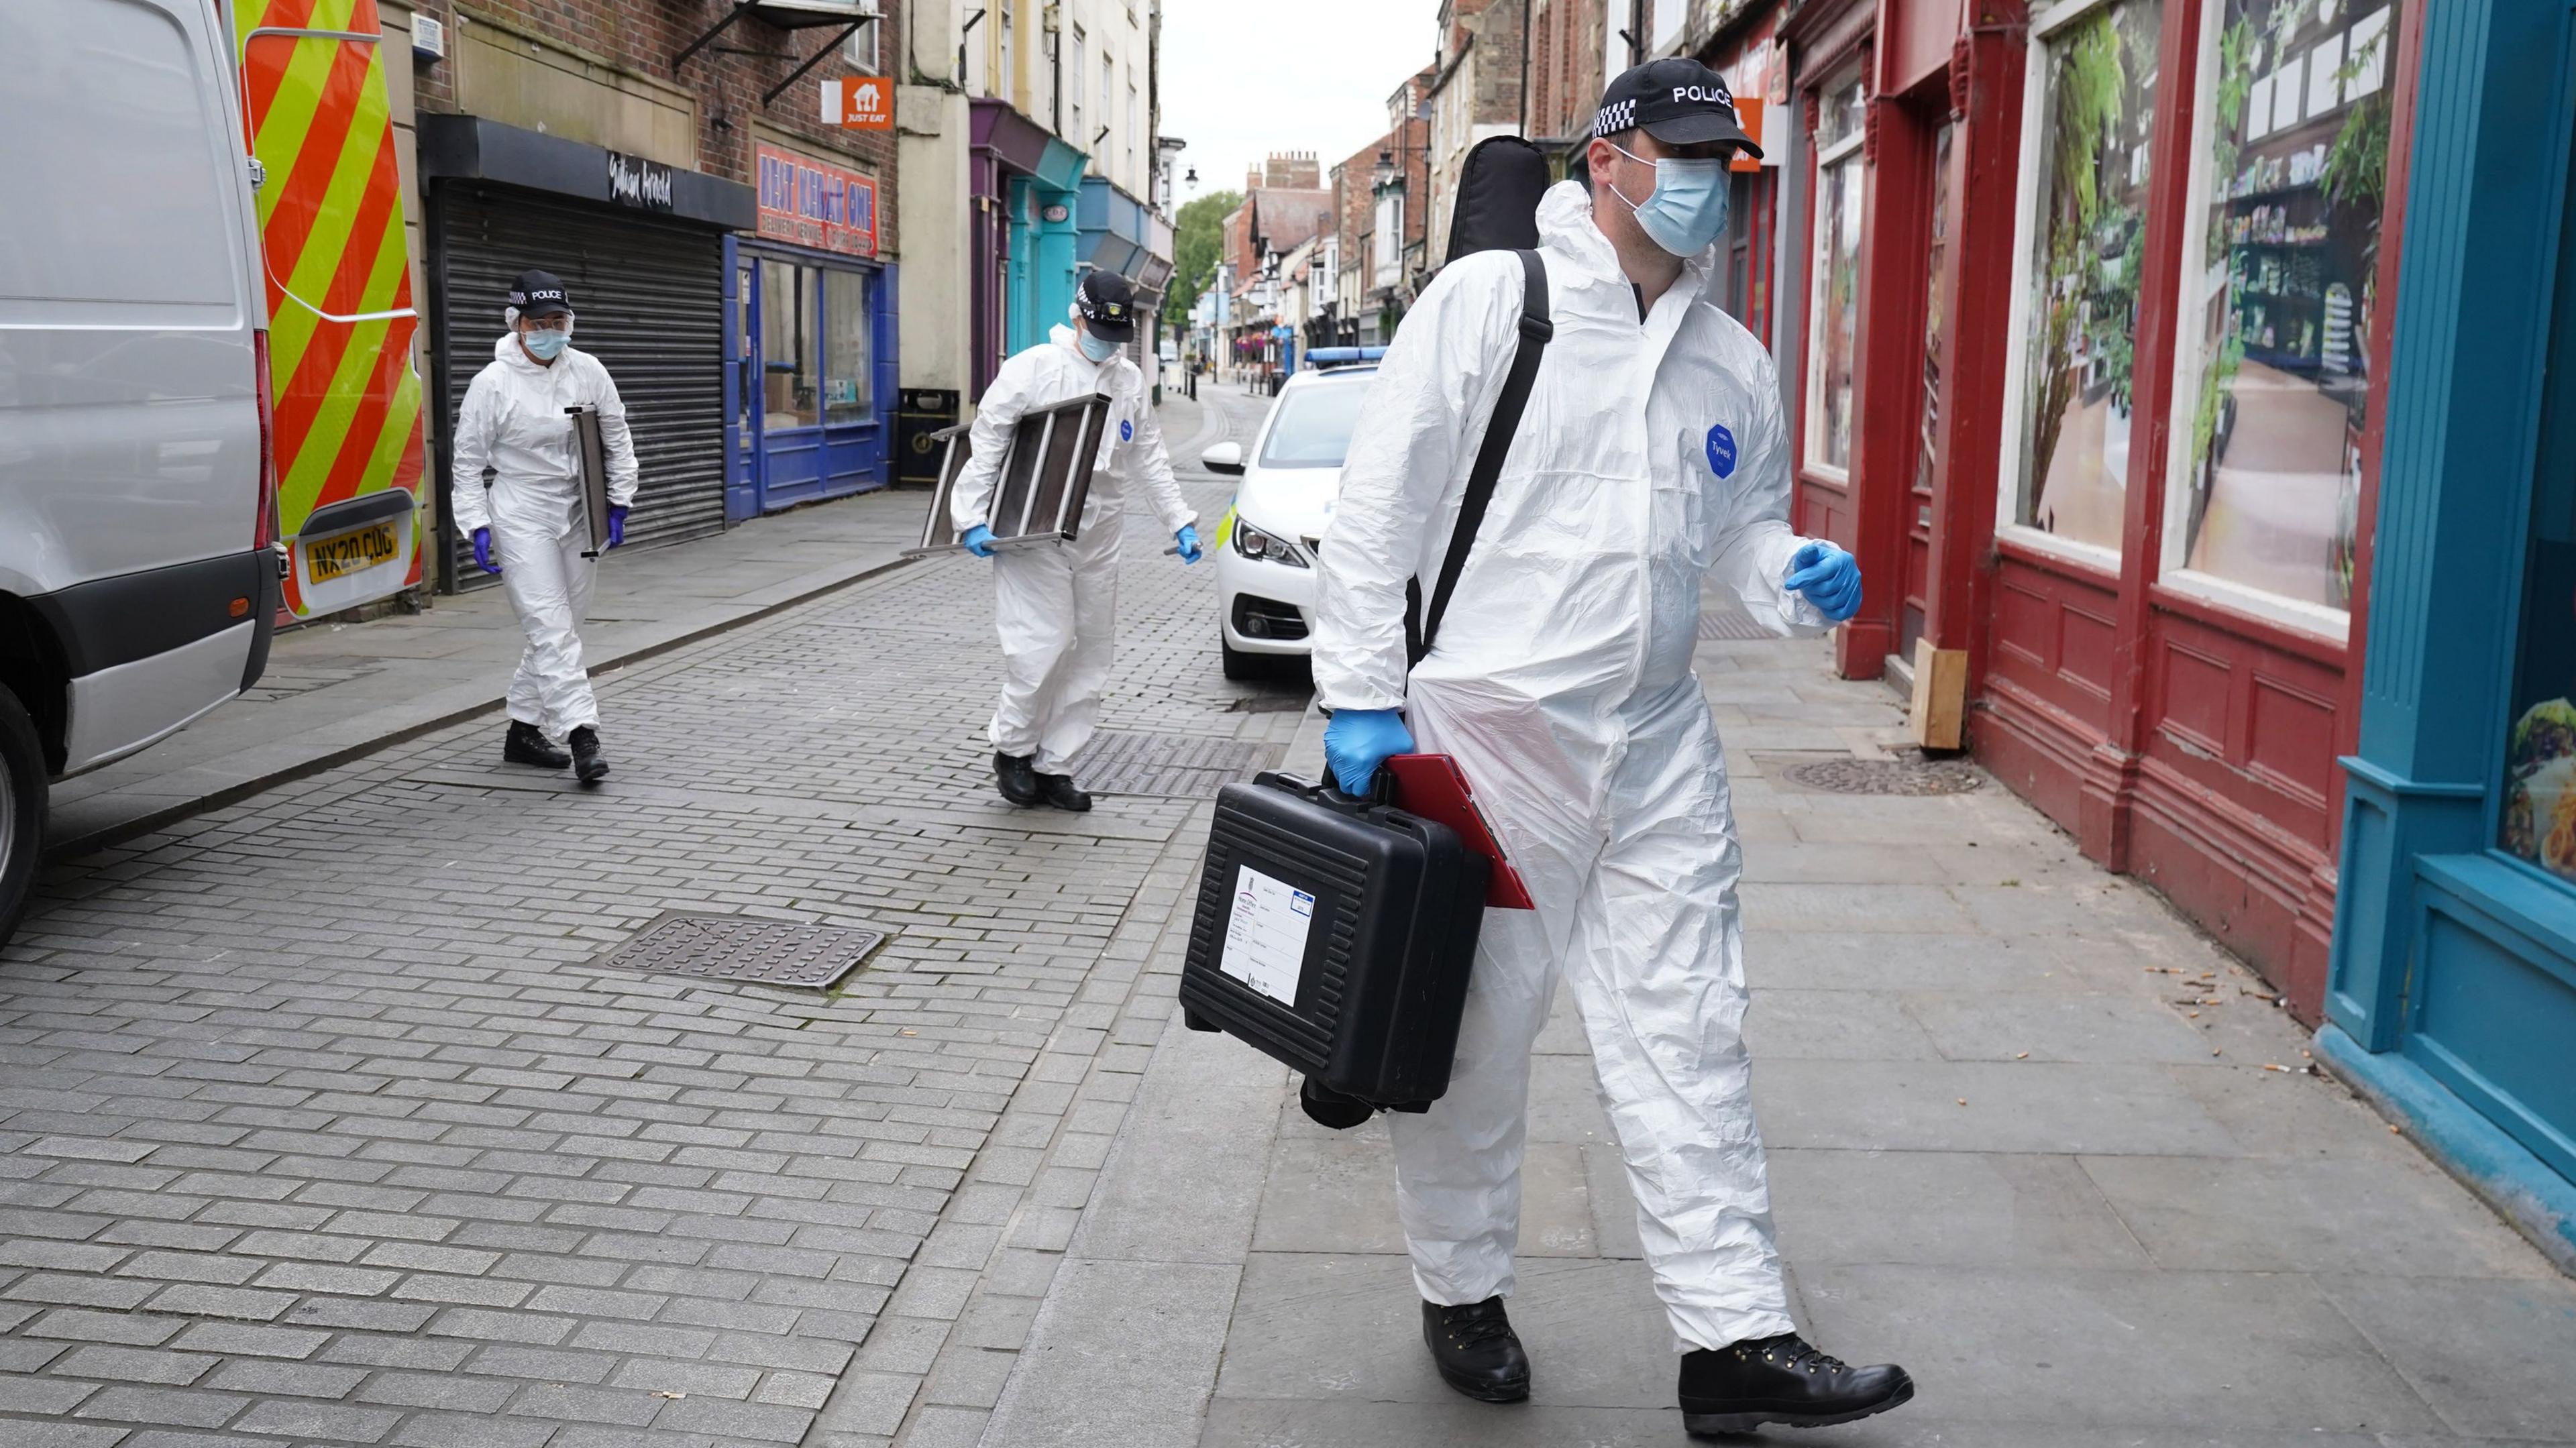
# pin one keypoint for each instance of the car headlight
(1262, 547)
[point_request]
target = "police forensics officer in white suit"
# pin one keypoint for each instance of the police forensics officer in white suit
(530, 527)
(1652, 452)
(1055, 605)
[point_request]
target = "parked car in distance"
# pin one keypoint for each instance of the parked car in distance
(1268, 541)
(138, 577)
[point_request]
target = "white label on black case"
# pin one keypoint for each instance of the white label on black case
(1265, 938)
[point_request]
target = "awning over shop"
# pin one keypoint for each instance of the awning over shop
(1112, 227)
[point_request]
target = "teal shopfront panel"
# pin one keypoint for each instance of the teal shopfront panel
(2453, 993)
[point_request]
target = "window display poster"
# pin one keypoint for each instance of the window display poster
(2275, 370)
(2087, 242)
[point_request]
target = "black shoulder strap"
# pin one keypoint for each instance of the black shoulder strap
(1422, 628)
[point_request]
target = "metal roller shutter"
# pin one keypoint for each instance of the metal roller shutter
(649, 304)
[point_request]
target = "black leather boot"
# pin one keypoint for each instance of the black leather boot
(1060, 791)
(1017, 775)
(588, 764)
(1476, 1350)
(526, 744)
(1781, 1379)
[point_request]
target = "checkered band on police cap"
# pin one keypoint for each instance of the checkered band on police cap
(1676, 100)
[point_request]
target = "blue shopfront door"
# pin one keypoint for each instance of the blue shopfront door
(815, 390)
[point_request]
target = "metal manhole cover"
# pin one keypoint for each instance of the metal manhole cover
(1879, 776)
(1733, 624)
(751, 952)
(1174, 766)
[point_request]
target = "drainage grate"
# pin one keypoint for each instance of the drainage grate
(1174, 766)
(744, 950)
(1729, 623)
(1906, 776)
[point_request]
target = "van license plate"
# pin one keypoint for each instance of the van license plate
(346, 553)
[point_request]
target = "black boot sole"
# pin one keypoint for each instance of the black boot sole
(510, 756)
(591, 773)
(1484, 1392)
(1718, 1425)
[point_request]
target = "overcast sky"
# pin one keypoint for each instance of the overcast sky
(1244, 78)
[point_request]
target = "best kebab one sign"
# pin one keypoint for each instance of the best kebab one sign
(814, 203)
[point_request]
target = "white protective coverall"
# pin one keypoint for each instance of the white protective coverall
(1561, 681)
(1056, 607)
(513, 422)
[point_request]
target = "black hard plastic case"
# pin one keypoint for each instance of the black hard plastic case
(1390, 904)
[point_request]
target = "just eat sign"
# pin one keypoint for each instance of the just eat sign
(859, 102)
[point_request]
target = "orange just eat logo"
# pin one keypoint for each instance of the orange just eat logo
(859, 102)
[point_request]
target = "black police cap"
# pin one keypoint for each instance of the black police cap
(1676, 100)
(540, 294)
(1108, 305)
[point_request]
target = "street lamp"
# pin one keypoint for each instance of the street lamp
(1383, 173)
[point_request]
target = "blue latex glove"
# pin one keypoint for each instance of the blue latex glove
(483, 551)
(1829, 577)
(1357, 741)
(616, 525)
(979, 541)
(1188, 538)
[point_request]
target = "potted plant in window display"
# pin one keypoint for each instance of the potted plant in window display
(2213, 414)
(2089, 92)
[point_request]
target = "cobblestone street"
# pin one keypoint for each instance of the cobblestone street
(323, 1126)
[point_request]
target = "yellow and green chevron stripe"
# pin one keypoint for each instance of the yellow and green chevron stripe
(339, 278)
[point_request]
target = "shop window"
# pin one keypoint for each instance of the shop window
(2279, 270)
(2539, 823)
(847, 349)
(790, 364)
(2075, 308)
(1833, 315)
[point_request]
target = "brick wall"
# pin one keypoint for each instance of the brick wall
(638, 38)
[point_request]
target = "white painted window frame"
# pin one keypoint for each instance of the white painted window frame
(2315, 619)
(2008, 524)
(1820, 246)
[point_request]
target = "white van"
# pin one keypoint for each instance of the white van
(138, 573)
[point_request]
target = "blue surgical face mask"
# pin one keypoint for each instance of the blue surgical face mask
(1687, 210)
(1095, 348)
(546, 343)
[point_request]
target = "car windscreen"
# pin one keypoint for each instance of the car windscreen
(1313, 428)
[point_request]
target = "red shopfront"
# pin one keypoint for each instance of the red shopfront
(2095, 313)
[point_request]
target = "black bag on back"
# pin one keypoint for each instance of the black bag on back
(1496, 208)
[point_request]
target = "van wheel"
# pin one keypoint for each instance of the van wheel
(22, 809)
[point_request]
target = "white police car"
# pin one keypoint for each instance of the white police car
(1267, 543)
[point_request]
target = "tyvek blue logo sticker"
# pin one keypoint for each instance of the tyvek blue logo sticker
(1126, 432)
(1721, 450)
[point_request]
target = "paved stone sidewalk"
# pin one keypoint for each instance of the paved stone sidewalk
(2029, 1135)
(333, 692)
(322, 1123)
